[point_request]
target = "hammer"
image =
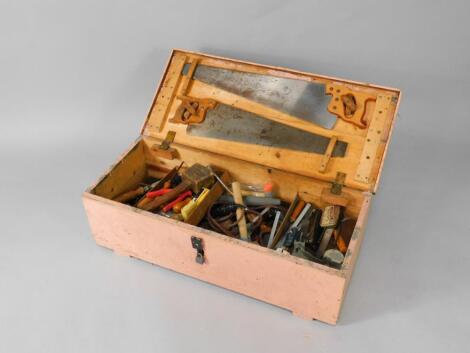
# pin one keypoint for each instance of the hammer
(195, 178)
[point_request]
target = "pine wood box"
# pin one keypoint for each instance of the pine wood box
(308, 289)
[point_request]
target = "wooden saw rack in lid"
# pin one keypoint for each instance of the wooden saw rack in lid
(366, 147)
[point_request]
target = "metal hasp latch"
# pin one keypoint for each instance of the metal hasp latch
(197, 244)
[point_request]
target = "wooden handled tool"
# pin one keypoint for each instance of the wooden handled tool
(129, 195)
(157, 185)
(195, 177)
(142, 190)
(237, 196)
(180, 198)
(297, 210)
(179, 205)
(285, 222)
(159, 201)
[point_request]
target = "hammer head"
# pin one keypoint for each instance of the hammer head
(199, 177)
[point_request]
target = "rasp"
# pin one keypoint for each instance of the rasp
(310, 101)
(233, 124)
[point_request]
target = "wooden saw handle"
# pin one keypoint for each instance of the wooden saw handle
(192, 110)
(348, 105)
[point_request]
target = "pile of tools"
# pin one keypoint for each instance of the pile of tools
(200, 195)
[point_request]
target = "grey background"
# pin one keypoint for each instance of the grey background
(76, 81)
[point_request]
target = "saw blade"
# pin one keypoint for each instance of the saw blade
(302, 99)
(232, 124)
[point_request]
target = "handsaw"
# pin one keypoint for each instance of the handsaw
(314, 102)
(229, 123)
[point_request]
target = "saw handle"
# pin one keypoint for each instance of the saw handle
(348, 105)
(192, 110)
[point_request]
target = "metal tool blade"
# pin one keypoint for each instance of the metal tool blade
(229, 123)
(305, 100)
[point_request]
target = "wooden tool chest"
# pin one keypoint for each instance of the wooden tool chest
(201, 116)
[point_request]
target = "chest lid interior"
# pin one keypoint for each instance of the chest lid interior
(308, 124)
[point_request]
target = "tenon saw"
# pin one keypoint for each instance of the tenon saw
(314, 102)
(229, 123)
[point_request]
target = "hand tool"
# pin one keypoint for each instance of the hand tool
(178, 206)
(297, 210)
(203, 206)
(225, 222)
(253, 200)
(302, 214)
(180, 198)
(291, 235)
(261, 214)
(330, 216)
(132, 194)
(187, 209)
(195, 177)
(219, 179)
(304, 225)
(255, 220)
(191, 206)
(312, 235)
(160, 192)
(344, 233)
(265, 188)
(333, 257)
(294, 231)
(273, 229)
(305, 99)
(237, 196)
(325, 241)
(329, 221)
(300, 250)
(232, 124)
(256, 193)
(144, 200)
(285, 222)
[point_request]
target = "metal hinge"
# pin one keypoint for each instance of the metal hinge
(338, 183)
(164, 150)
(170, 137)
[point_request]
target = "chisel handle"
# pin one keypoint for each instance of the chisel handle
(143, 201)
(129, 195)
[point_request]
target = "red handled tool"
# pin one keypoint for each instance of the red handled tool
(153, 194)
(181, 197)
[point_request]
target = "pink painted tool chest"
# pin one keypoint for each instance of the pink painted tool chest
(361, 120)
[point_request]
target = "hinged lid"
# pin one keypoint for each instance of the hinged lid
(308, 124)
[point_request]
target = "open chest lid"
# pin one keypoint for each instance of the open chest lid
(312, 125)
